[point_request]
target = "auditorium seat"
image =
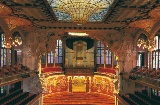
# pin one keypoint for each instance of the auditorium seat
(140, 98)
(11, 95)
(128, 100)
(147, 98)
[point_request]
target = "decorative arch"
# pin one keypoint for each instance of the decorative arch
(155, 29)
(22, 33)
(138, 33)
(4, 25)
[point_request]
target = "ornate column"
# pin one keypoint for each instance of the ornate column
(8, 56)
(104, 55)
(119, 69)
(54, 59)
(150, 49)
(112, 60)
(63, 51)
(150, 59)
(95, 52)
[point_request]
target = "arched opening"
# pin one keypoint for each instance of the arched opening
(142, 50)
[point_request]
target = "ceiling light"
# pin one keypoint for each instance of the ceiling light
(77, 34)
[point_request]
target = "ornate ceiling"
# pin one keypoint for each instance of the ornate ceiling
(80, 10)
(114, 18)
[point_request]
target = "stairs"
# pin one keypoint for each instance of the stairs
(80, 98)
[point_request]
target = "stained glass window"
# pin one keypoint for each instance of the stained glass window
(80, 10)
(58, 56)
(50, 57)
(100, 54)
(3, 50)
(156, 53)
(59, 52)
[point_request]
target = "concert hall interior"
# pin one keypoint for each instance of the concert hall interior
(80, 52)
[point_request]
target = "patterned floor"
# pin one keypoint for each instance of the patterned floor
(66, 98)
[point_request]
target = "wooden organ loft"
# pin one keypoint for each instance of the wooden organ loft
(53, 53)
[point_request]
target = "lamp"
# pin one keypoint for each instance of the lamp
(13, 41)
(143, 41)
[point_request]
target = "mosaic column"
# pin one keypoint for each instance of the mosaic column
(112, 60)
(54, 59)
(119, 69)
(104, 55)
(8, 56)
(63, 52)
(95, 52)
(150, 59)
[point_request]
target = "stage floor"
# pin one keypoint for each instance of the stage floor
(66, 98)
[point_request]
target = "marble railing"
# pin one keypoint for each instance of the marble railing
(144, 80)
(8, 79)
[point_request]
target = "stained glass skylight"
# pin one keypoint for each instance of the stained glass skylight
(80, 10)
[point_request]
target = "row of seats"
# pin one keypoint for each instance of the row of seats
(139, 98)
(17, 97)
(146, 72)
(12, 69)
(9, 96)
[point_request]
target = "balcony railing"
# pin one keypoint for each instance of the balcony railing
(8, 79)
(144, 80)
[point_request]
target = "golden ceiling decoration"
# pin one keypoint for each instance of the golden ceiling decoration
(80, 10)
(4, 10)
(145, 24)
(155, 13)
(13, 22)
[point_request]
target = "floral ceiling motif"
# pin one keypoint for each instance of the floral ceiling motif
(13, 21)
(146, 24)
(155, 13)
(4, 10)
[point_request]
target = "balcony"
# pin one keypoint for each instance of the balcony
(144, 80)
(8, 79)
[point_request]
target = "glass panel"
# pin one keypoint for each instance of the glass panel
(156, 42)
(159, 60)
(2, 40)
(159, 41)
(60, 60)
(98, 60)
(102, 60)
(60, 42)
(5, 59)
(98, 44)
(156, 58)
(98, 53)
(43, 59)
(60, 52)
(10, 52)
(83, 10)
(2, 59)
(153, 59)
(49, 61)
